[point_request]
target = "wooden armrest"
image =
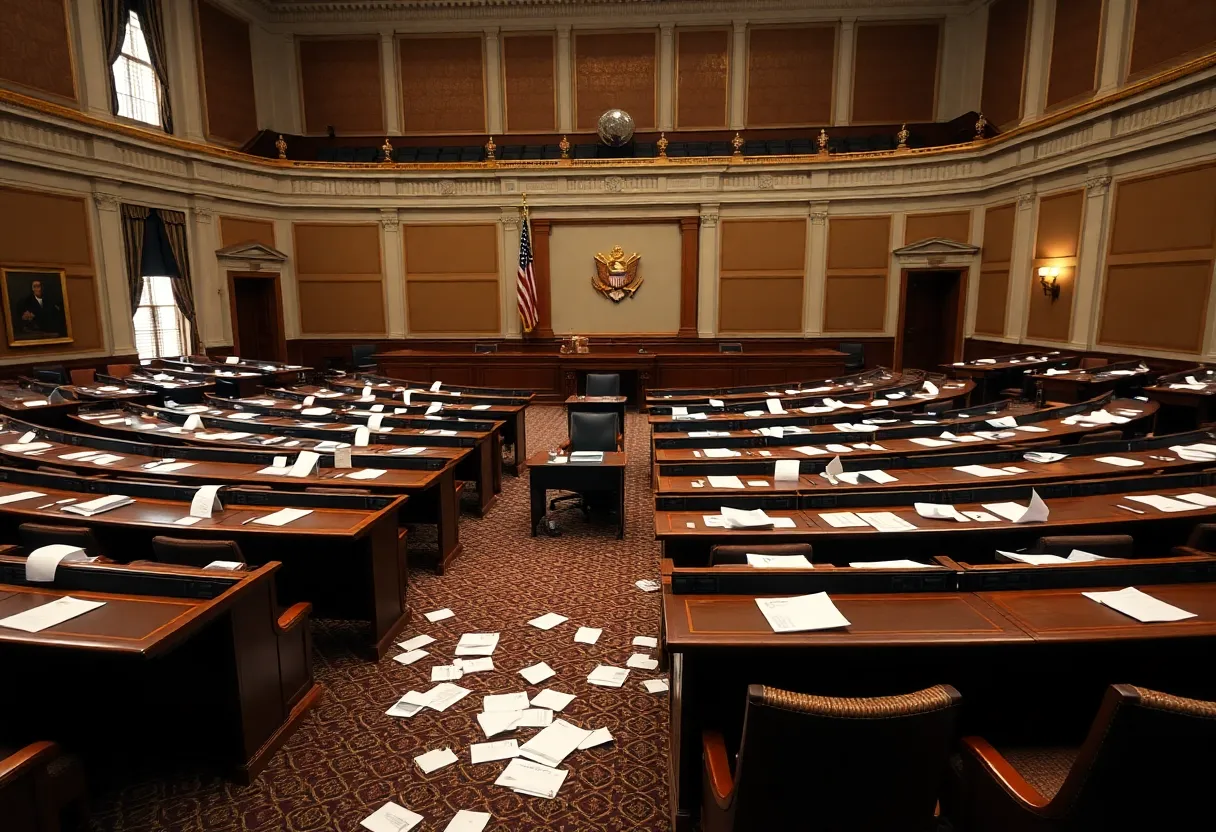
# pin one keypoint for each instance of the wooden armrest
(293, 615)
(1002, 772)
(1188, 552)
(717, 766)
(20, 762)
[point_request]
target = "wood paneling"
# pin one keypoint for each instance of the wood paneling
(855, 303)
(229, 106)
(1057, 240)
(1159, 266)
(702, 77)
(443, 87)
(340, 279)
(42, 230)
(855, 290)
(993, 290)
(1004, 61)
(235, 230)
(451, 278)
(35, 46)
(952, 225)
(859, 243)
(530, 81)
(617, 69)
(762, 272)
(1074, 52)
(790, 75)
(341, 85)
(1169, 32)
(895, 72)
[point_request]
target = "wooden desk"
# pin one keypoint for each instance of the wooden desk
(448, 394)
(344, 558)
(1079, 385)
(183, 391)
(34, 406)
(245, 383)
(875, 377)
(1184, 405)
(597, 404)
(188, 664)
(271, 372)
(582, 478)
(992, 375)
(986, 645)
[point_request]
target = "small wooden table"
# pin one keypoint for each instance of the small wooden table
(597, 404)
(581, 477)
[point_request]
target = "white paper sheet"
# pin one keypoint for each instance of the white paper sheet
(283, 516)
(206, 500)
(485, 752)
(41, 617)
(391, 818)
(554, 743)
(468, 821)
(410, 657)
(495, 723)
(499, 702)
(552, 700)
(641, 661)
(532, 778)
(655, 685)
(890, 564)
(1166, 504)
(588, 635)
(801, 613)
(416, 642)
(305, 464)
(886, 521)
(608, 676)
(842, 519)
(778, 561)
(366, 474)
(785, 470)
(19, 496)
(645, 641)
(774, 406)
(537, 673)
(548, 621)
(1139, 605)
(1119, 461)
(42, 563)
(981, 471)
(435, 760)
(1198, 499)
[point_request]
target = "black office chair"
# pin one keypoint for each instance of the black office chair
(360, 355)
(588, 432)
(51, 373)
(227, 388)
(855, 355)
(603, 384)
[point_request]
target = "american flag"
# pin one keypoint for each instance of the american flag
(525, 280)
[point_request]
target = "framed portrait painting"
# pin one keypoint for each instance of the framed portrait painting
(35, 307)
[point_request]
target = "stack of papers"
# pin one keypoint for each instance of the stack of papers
(720, 453)
(527, 777)
(554, 743)
(801, 613)
(891, 564)
(936, 511)
(283, 516)
(842, 520)
(608, 677)
(587, 456)
(736, 518)
(981, 471)
(1140, 606)
(100, 505)
(885, 521)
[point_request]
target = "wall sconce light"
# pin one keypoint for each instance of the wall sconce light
(1049, 279)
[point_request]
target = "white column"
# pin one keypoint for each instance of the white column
(1038, 59)
(185, 91)
(494, 83)
(392, 94)
(264, 55)
(114, 295)
(210, 301)
(93, 73)
(1021, 261)
(667, 76)
(509, 264)
(394, 273)
(284, 236)
(962, 64)
(816, 269)
(707, 273)
(973, 273)
(1087, 277)
(895, 239)
(1115, 45)
(738, 78)
(291, 90)
(842, 99)
(565, 82)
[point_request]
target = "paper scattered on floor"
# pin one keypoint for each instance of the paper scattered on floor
(647, 585)
(410, 657)
(548, 621)
(642, 662)
(588, 635)
(597, 737)
(435, 760)
(467, 821)
(645, 641)
(655, 685)
(484, 752)
(391, 818)
(440, 615)
(554, 700)
(607, 676)
(416, 642)
(528, 777)
(537, 673)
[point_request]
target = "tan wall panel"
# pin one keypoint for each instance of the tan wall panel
(43, 229)
(859, 242)
(955, 225)
(341, 85)
(763, 245)
(855, 304)
(618, 69)
(790, 75)
(529, 77)
(341, 303)
(998, 234)
(702, 77)
(468, 306)
(1165, 213)
(760, 304)
(337, 249)
(1048, 319)
(1004, 59)
(451, 249)
(1074, 51)
(227, 75)
(991, 300)
(1156, 306)
(1059, 231)
(235, 230)
(86, 323)
(1168, 31)
(579, 309)
(895, 72)
(35, 47)
(442, 83)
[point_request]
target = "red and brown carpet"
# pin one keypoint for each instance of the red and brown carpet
(348, 758)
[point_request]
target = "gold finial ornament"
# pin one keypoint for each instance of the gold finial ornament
(564, 147)
(737, 144)
(491, 149)
(822, 140)
(662, 145)
(281, 146)
(901, 138)
(386, 150)
(981, 127)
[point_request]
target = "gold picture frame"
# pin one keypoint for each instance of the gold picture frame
(24, 317)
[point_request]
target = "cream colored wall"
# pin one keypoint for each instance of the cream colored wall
(579, 309)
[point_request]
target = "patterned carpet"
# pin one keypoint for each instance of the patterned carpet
(348, 757)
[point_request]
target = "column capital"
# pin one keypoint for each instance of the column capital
(666, 28)
(389, 220)
(563, 31)
(1026, 201)
(202, 215)
(105, 201)
(387, 37)
(491, 32)
(848, 22)
(818, 217)
(1097, 185)
(739, 26)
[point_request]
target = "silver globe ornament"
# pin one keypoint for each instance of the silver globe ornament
(616, 128)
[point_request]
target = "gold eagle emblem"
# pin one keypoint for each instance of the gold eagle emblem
(616, 276)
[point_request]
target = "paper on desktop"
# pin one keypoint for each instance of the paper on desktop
(1139, 605)
(801, 613)
(890, 564)
(885, 521)
(778, 562)
(39, 618)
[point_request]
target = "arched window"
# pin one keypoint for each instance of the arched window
(135, 81)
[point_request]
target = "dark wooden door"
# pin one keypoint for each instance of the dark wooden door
(258, 328)
(931, 319)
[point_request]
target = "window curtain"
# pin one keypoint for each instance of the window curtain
(174, 223)
(134, 228)
(153, 19)
(114, 15)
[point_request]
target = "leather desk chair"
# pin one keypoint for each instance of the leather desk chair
(721, 554)
(199, 553)
(589, 431)
(1105, 545)
(1146, 765)
(1203, 537)
(360, 356)
(832, 764)
(603, 384)
(120, 370)
(83, 376)
(37, 535)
